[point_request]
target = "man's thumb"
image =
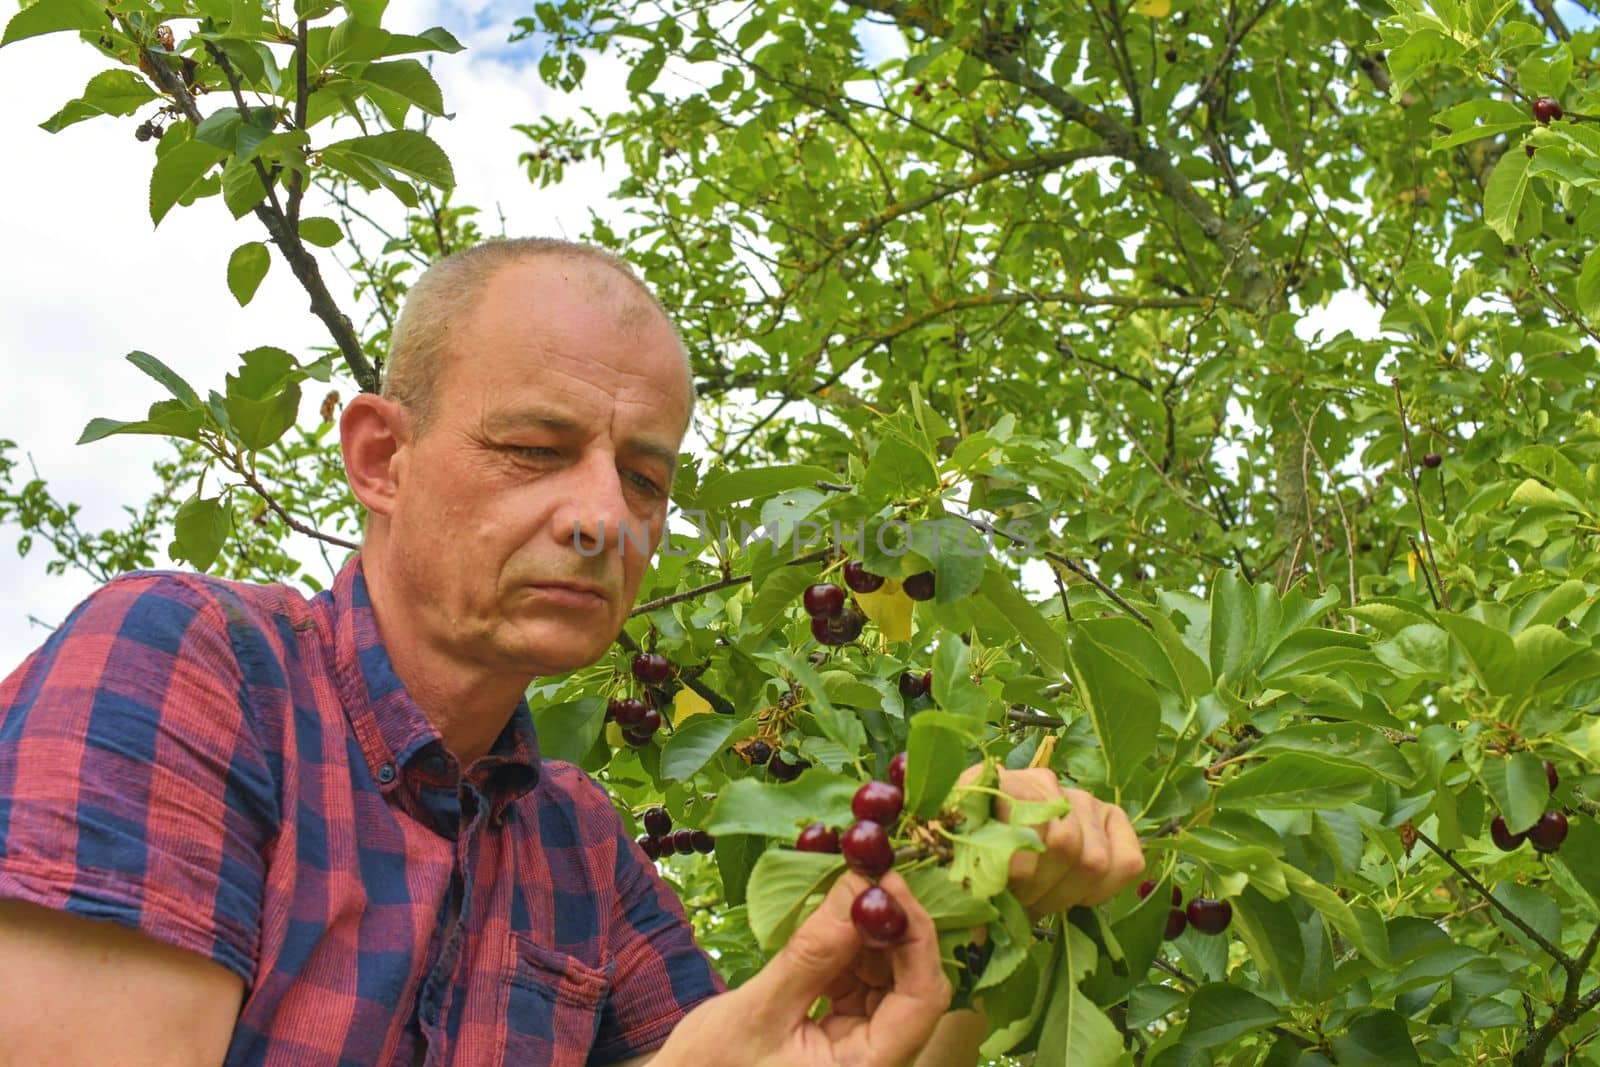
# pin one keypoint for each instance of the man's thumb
(824, 946)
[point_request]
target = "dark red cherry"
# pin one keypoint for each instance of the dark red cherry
(860, 579)
(878, 802)
(783, 769)
(758, 752)
(630, 712)
(1209, 916)
(703, 842)
(657, 822)
(914, 685)
(824, 600)
(636, 739)
(683, 841)
(650, 845)
(897, 769)
(879, 917)
(649, 722)
(1547, 834)
(817, 838)
(651, 668)
(919, 586)
(840, 629)
(1551, 775)
(1503, 838)
(1546, 108)
(866, 848)
(1177, 923)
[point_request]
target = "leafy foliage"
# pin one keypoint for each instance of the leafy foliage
(1049, 300)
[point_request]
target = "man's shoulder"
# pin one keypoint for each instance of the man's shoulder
(200, 593)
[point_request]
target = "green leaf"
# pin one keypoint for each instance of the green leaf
(898, 472)
(322, 232)
(164, 374)
(1074, 1030)
(756, 483)
(1343, 742)
(1233, 626)
(258, 424)
(1122, 706)
(958, 553)
(1029, 622)
(1502, 197)
(692, 745)
(840, 726)
(935, 758)
(53, 16)
(1490, 651)
(567, 731)
(771, 809)
(781, 884)
(1540, 649)
(410, 153)
(946, 904)
(409, 80)
(953, 688)
(202, 527)
(983, 858)
(168, 418)
(1518, 787)
(246, 267)
(1219, 1012)
(1364, 937)
(645, 70)
(1377, 1037)
(1259, 866)
(1296, 780)
(1588, 291)
(177, 172)
(111, 92)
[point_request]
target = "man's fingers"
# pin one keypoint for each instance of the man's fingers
(823, 948)
(904, 1019)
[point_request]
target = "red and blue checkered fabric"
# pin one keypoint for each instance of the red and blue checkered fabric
(236, 770)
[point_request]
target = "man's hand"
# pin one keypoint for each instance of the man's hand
(1089, 856)
(884, 1003)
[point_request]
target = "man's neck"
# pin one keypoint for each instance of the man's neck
(469, 707)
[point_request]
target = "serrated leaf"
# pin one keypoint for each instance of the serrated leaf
(1502, 197)
(1219, 1012)
(322, 232)
(54, 16)
(1122, 707)
(111, 92)
(935, 758)
(782, 810)
(246, 267)
(568, 730)
(1075, 1032)
(174, 383)
(780, 886)
(409, 80)
(177, 172)
(646, 69)
(982, 861)
(409, 152)
(201, 526)
(693, 744)
(1588, 291)
(1296, 780)
(756, 483)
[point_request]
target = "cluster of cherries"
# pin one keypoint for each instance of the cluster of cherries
(1546, 834)
(759, 753)
(832, 623)
(660, 839)
(1206, 914)
(866, 849)
(638, 716)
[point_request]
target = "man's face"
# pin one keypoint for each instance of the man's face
(528, 509)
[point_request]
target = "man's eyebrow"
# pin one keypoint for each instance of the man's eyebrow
(509, 421)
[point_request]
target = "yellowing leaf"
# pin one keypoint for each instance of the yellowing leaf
(1156, 9)
(890, 608)
(1411, 565)
(614, 736)
(688, 703)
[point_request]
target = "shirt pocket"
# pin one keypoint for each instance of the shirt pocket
(553, 1005)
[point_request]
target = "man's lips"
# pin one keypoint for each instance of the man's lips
(573, 591)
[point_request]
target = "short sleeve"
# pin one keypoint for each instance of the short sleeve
(660, 973)
(134, 787)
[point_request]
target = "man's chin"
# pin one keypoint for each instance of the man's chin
(542, 653)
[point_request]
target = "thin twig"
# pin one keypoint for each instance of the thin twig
(1511, 916)
(1416, 493)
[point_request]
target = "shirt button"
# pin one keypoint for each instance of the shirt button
(386, 773)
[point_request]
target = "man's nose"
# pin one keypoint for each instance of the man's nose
(595, 513)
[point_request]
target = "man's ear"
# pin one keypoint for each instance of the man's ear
(372, 432)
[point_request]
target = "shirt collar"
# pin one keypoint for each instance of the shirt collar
(389, 726)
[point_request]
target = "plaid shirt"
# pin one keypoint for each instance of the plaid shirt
(237, 771)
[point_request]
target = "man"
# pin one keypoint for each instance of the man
(241, 827)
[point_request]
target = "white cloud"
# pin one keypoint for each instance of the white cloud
(88, 279)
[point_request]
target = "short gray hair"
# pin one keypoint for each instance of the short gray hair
(450, 288)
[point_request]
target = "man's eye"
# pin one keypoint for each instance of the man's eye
(536, 451)
(644, 483)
